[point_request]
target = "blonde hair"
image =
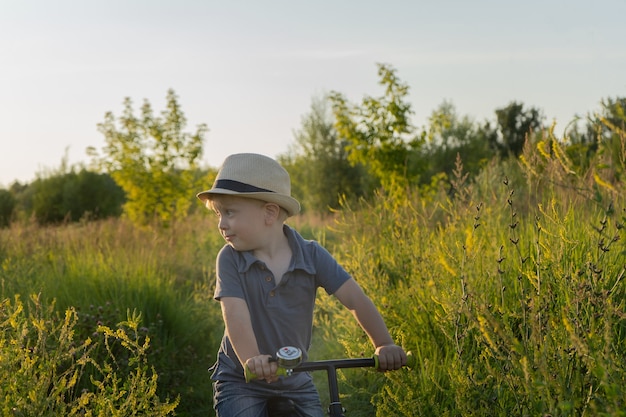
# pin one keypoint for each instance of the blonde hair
(210, 204)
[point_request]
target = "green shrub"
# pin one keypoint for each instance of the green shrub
(42, 364)
(70, 196)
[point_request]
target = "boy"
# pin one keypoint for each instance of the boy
(267, 278)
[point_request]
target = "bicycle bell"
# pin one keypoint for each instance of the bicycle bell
(288, 357)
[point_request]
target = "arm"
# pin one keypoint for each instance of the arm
(239, 330)
(390, 355)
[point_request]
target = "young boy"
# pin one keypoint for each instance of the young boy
(267, 278)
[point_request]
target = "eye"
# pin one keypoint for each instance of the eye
(225, 213)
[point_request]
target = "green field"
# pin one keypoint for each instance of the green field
(509, 290)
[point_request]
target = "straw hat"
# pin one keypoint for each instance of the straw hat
(254, 176)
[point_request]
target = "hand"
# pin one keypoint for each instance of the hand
(263, 368)
(390, 357)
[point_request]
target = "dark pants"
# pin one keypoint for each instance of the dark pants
(237, 399)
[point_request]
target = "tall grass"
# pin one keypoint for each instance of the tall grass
(103, 270)
(509, 290)
(43, 365)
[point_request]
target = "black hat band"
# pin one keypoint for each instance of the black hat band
(239, 187)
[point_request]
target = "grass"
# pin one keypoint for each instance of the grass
(512, 308)
(105, 270)
(46, 371)
(509, 289)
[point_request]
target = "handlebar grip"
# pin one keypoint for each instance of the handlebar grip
(252, 376)
(410, 361)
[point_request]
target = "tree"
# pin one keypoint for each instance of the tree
(449, 135)
(379, 131)
(152, 159)
(514, 123)
(7, 206)
(318, 162)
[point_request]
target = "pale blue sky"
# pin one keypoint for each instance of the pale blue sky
(249, 69)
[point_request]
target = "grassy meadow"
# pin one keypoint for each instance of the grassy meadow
(509, 289)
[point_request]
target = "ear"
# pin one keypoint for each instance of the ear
(272, 212)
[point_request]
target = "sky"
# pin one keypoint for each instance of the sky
(250, 69)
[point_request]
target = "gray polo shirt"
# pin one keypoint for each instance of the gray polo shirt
(281, 315)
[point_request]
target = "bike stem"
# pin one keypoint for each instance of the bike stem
(330, 366)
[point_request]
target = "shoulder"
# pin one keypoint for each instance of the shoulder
(233, 259)
(295, 236)
(226, 253)
(308, 247)
(310, 255)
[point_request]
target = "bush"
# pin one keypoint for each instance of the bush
(46, 371)
(75, 196)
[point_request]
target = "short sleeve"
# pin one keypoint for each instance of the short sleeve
(228, 282)
(330, 274)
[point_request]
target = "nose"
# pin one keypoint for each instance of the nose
(221, 224)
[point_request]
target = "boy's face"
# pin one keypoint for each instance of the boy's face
(241, 220)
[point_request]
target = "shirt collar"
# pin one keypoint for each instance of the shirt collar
(297, 257)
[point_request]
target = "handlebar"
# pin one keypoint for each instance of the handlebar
(329, 365)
